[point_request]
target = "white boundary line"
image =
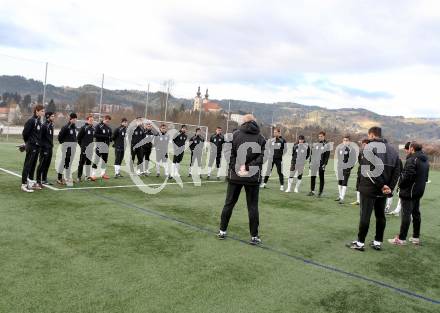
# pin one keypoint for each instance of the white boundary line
(110, 187)
(18, 175)
(132, 186)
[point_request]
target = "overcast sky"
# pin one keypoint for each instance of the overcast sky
(379, 55)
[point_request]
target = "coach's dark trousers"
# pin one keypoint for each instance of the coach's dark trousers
(410, 208)
(30, 162)
(367, 205)
(232, 196)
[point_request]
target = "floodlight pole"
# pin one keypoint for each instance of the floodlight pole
(146, 104)
(100, 98)
(227, 119)
(166, 101)
(44, 86)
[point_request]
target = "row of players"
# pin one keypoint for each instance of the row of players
(38, 137)
(143, 137)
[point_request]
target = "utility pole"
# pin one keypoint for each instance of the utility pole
(45, 82)
(100, 98)
(146, 104)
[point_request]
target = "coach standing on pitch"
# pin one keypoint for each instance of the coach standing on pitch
(247, 156)
(379, 174)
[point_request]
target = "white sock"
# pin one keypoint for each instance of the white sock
(389, 202)
(117, 169)
(289, 183)
(102, 171)
(343, 191)
(358, 196)
(377, 243)
(298, 183)
(399, 207)
(93, 172)
(190, 170)
(158, 167)
(340, 191)
(209, 170)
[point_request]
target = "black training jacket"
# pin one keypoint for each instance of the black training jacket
(47, 135)
(103, 133)
(372, 186)
(32, 131)
(249, 132)
(300, 149)
(414, 176)
(67, 133)
(276, 147)
(119, 137)
(195, 141)
(86, 134)
(218, 141)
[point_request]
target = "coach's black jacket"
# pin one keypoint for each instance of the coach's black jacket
(249, 132)
(372, 186)
(85, 135)
(67, 133)
(47, 135)
(119, 137)
(32, 131)
(414, 176)
(103, 133)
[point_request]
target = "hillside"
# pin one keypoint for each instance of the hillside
(288, 114)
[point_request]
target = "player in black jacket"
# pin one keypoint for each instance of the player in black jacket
(179, 141)
(247, 155)
(85, 138)
(300, 154)
(196, 146)
(161, 141)
(216, 143)
(379, 173)
(147, 147)
(31, 137)
(118, 143)
(46, 149)
(346, 155)
(319, 160)
(67, 138)
(364, 142)
(136, 136)
(103, 136)
(412, 188)
(276, 147)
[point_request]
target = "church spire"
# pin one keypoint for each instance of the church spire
(198, 92)
(206, 94)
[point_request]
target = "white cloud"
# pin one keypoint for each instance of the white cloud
(250, 50)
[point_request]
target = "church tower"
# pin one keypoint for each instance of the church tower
(197, 106)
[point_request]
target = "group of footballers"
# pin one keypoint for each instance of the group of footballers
(94, 142)
(374, 190)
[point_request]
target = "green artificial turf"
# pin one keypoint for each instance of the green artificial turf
(121, 250)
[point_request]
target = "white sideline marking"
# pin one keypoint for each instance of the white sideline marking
(132, 186)
(18, 175)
